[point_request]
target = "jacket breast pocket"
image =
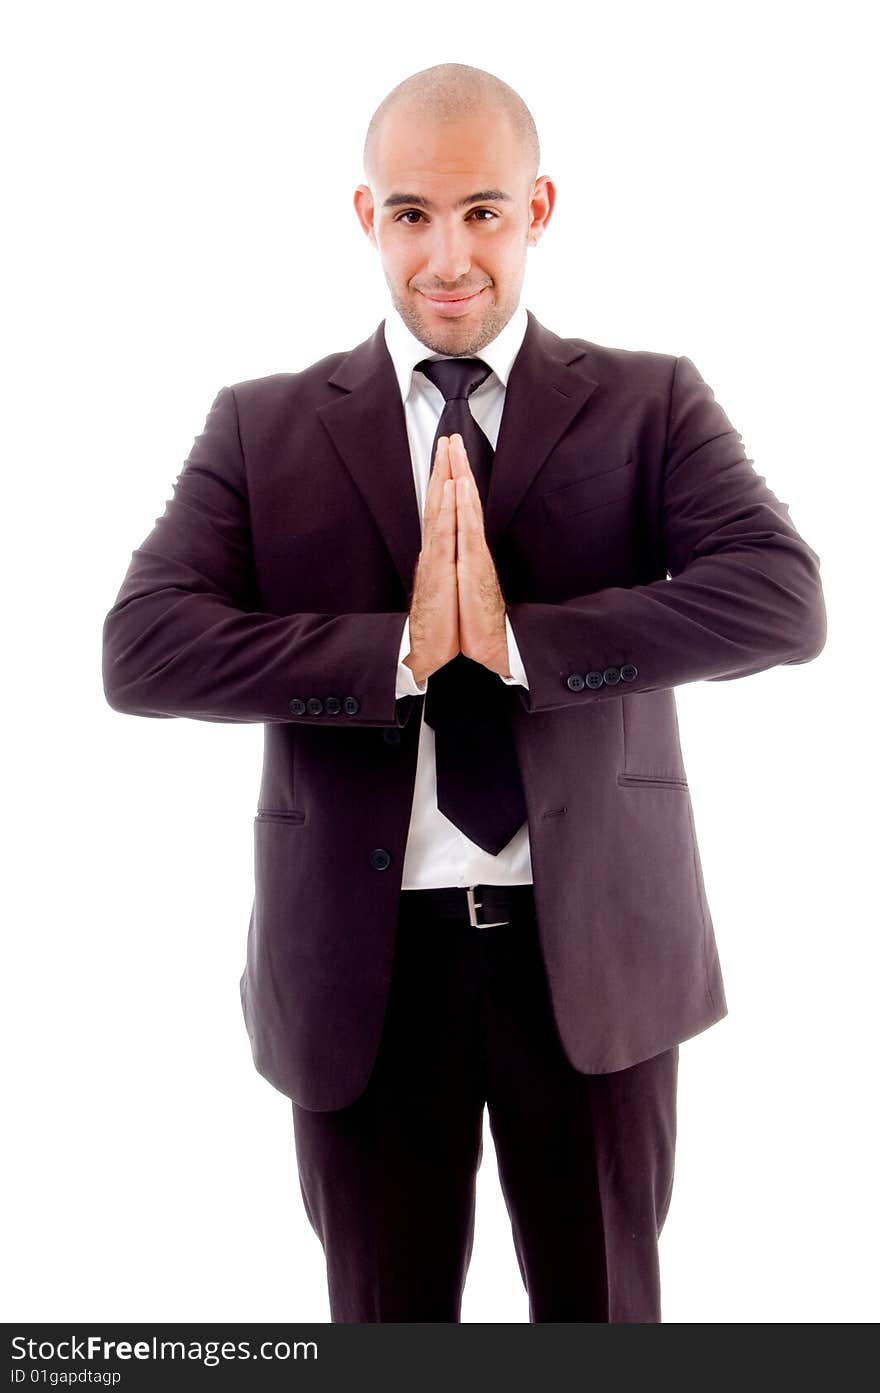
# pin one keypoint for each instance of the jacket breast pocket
(583, 495)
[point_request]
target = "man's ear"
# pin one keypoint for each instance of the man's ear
(365, 209)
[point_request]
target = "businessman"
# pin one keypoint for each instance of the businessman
(457, 572)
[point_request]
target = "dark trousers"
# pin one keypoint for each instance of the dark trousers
(585, 1160)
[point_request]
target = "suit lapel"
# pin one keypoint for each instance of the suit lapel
(547, 387)
(368, 427)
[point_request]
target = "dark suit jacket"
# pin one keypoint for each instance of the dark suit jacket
(637, 550)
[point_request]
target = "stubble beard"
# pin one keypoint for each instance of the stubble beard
(458, 340)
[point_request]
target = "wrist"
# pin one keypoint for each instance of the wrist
(415, 668)
(497, 657)
(499, 661)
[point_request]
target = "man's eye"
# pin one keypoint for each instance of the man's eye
(414, 212)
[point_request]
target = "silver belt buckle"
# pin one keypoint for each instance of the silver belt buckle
(474, 905)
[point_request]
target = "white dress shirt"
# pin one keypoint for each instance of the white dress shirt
(437, 852)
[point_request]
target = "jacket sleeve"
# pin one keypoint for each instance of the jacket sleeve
(742, 591)
(183, 637)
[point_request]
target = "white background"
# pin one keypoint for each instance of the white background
(181, 217)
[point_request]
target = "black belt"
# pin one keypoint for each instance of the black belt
(481, 906)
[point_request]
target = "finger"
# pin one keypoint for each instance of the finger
(436, 479)
(469, 521)
(443, 536)
(458, 458)
(441, 456)
(441, 470)
(444, 516)
(469, 497)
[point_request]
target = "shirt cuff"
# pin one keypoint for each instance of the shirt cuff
(406, 682)
(518, 673)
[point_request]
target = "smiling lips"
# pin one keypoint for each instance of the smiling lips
(451, 306)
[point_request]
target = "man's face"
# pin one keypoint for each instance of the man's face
(472, 256)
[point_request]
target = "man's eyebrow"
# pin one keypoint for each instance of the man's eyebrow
(394, 200)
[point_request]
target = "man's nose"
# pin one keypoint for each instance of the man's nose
(449, 258)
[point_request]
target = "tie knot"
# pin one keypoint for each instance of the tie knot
(456, 377)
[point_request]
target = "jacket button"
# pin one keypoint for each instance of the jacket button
(332, 705)
(629, 672)
(351, 706)
(380, 859)
(611, 675)
(296, 706)
(315, 705)
(391, 735)
(594, 679)
(575, 682)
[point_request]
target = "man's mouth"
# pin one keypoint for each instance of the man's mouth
(463, 295)
(453, 305)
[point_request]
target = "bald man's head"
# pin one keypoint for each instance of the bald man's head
(453, 202)
(449, 93)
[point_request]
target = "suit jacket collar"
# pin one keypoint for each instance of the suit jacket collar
(547, 386)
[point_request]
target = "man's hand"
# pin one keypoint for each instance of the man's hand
(433, 612)
(481, 608)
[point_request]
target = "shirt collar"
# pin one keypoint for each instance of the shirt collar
(406, 350)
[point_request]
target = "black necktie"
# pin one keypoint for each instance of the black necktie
(479, 787)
